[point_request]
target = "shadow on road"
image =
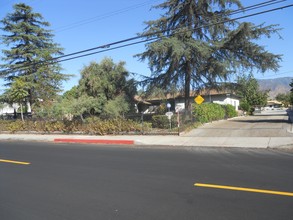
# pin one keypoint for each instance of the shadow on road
(263, 121)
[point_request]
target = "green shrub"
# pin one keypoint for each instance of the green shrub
(146, 126)
(94, 126)
(4, 125)
(230, 111)
(128, 125)
(52, 126)
(17, 125)
(162, 121)
(72, 126)
(245, 106)
(208, 112)
(103, 127)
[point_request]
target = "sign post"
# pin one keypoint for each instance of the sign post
(178, 109)
(169, 115)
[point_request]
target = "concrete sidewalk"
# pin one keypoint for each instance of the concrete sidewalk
(180, 141)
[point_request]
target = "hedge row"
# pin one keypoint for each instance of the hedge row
(91, 126)
(162, 121)
(208, 112)
(203, 113)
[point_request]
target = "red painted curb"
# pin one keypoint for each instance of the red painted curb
(93, 141)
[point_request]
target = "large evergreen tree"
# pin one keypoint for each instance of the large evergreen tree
(251, 96)
(29, 53)
(17, 93)
(104, 89)
(198, 44)
(107, 80)
(284, 98)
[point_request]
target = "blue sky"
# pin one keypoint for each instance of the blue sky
(80, 25)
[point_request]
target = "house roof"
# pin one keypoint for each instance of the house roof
(273, 102)
(205, 92)
(140, 99)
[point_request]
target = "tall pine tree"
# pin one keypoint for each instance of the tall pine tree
(250, 93)
(29, 53)
(198, 44)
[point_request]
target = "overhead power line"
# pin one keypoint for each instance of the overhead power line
(158, 32)
(103, 16)
(156, 38)
(105, 50)
(123, 10)
(256, 6)
(106, 47)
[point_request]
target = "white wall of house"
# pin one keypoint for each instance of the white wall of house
(220, 99)
(9, 109)
(229, 101)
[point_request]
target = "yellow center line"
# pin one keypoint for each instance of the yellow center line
(15, 162)
(244, 189)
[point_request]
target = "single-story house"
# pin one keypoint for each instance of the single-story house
(178, 102)
(273, 104)
(7, 109)
(220, 98)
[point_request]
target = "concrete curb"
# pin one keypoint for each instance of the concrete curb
(93, 141)
(154, 141)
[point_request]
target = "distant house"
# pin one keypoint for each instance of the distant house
(141, 105)
(10, 110)
(178, 102)
(222, 98)
(273, 104)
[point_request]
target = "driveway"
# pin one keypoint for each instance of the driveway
(273, 123)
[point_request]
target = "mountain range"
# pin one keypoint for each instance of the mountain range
(276, 86)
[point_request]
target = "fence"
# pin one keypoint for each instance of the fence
(138, 124)
(154, 124)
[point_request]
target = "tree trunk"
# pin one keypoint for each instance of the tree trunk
(187, 87)
(30, 99)
(21, 112)
(81, 116)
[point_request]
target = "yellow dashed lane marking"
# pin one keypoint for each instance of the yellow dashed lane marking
(15, 162)
(243, 189)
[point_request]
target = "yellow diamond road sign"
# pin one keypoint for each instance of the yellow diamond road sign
(199, 99)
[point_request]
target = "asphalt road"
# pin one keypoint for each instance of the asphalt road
(73, 181)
